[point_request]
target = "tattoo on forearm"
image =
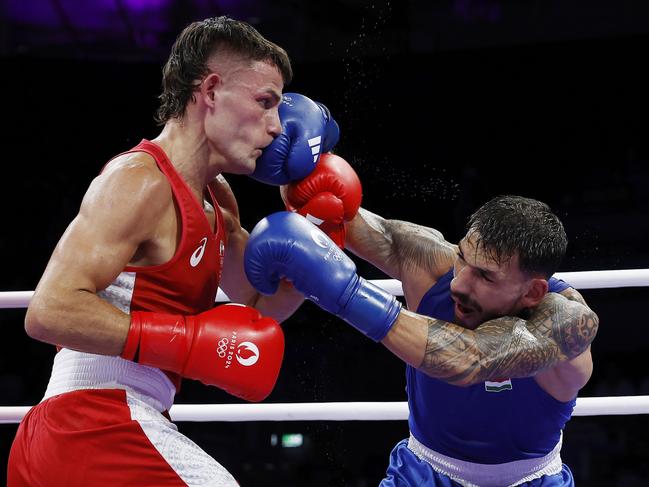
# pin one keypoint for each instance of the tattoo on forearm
(509, 346)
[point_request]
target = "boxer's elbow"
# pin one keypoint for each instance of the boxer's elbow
(457, 371)
(462, 379)
(41, 321)
(453, 378)
(35, 322)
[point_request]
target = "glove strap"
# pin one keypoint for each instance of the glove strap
(132, 343)
(164, 340)
(371, 310)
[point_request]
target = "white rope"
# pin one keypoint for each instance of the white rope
(377, 411)
(13, 414)
(15, 299)
(606, 279)
(580, 280)
(21, 299)
(345, 411)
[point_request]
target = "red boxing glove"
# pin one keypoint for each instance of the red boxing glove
(231, 346)
(328, 197)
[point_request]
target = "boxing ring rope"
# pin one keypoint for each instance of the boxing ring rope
(345, 411)
(579, 280)
(371, 411)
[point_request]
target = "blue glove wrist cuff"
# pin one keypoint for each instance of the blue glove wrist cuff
(371, 310)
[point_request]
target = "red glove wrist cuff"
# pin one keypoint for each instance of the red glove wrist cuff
(164, 340)
(133, 338)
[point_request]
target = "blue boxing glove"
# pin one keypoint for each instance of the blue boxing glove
(307, 131)
(286, 244)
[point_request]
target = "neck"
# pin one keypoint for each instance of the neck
(189, 151)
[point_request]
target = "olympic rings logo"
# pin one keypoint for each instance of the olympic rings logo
(319, 238)
(222, 347)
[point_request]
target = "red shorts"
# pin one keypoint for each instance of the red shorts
(106, 437)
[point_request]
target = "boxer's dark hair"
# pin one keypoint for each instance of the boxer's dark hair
(512, 225)
(196, 44)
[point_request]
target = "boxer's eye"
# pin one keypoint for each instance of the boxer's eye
(486, 277)
(267, 102)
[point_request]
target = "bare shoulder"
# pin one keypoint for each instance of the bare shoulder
(423, 256)
(399, 248)
(137, 169)
(131, 190)
(572, 294)
(138, 175)
(416, 255)
(569, 323)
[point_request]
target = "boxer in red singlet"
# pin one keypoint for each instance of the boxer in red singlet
(128, 294)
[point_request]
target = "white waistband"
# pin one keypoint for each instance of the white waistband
(74, 370)
(470, 474)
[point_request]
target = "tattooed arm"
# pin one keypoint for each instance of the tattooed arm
(557, 330)
(564, 380)
(414, 254)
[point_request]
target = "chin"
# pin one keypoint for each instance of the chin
(246, 166)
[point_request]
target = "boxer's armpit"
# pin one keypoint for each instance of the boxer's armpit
(508, 346)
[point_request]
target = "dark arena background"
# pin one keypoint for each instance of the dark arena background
(441, 105)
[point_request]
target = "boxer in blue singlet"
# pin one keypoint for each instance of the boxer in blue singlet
(498, 432)
(513, 425)
(496, 352)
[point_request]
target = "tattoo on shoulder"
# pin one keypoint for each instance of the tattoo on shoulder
(568, 322)
(573, 295)
(416, 246)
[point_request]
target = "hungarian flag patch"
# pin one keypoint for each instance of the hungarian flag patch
(498, 385)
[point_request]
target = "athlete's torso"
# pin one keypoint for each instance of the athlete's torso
(491, 422)
(186, 284)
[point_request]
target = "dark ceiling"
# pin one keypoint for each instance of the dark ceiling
(144, 29)
(441, 104)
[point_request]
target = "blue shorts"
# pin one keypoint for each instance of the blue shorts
(407, 470)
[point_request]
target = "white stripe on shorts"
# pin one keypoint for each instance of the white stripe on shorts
(186, 458)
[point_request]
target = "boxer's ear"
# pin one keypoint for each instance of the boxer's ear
(209, 88)
(537, 289)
